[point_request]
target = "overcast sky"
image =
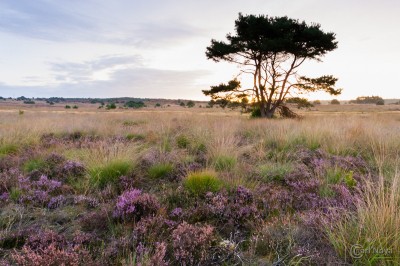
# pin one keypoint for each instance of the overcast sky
(156, 48)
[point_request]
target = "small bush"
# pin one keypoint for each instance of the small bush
(199, 183)
(109, 173)
(133, 205)
(335, 101)
(160, 170)
(67, 107)
(75, 107)
(191, 243)
(224, 162)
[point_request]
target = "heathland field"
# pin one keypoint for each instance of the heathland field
(199, 186)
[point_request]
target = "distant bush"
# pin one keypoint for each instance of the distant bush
(300, 102)
(317, 102)
(335, 101)
(198, 183)
(29, 102)
(67, 107)
(134, 104)
(111, 106)
(160, 170)
(182, 104)
(158, 105)
(75, 107)
(190, 104)
(109, 173)
(368, 100)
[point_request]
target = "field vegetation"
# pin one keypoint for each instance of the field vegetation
(198, 187)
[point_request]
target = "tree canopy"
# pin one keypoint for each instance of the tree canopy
(271, 49)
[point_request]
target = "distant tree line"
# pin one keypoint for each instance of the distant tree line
(368, 100)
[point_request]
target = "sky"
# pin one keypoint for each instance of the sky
(156, 48)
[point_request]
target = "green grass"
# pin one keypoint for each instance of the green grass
(274, 171)
(224, 162)
(135, 137)
(160, 170)
(109, 173)
(7, 149)
(199, 183)
(33, 164)
(182, 141)
(336, 175)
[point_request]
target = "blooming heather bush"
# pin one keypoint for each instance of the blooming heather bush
(237, 211)
(89, 202)
(96, 221)
(153, 229)
(73, 170)
(191, 243)
(37, 192)
(52, 256)
(133, 204)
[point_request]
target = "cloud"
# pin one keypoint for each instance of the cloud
(120, 76)
(91, 21)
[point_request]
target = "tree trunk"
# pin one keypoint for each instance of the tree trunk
(270, 114)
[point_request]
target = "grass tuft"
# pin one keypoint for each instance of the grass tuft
(198, 183)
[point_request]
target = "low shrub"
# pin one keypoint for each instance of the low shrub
(191, 243)
(133, 205)
(199, 183)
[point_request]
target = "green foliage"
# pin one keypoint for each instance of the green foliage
(182, 141)
(6, 149)
(368, 100)
(158, 105)
(109, 173)
(135, 137)
(33, 164)
(255, 112)
(160, 170)
(135, 104)
(198, 183)
(274, 171)
(349, 180)
(67, 107)
(75, 107)
(190, 104)
(129, 123)
(182, 104)
(29, 102)
(300, 102)
(15, 194)
(111, 106)
(262, 39)
(224, 162)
